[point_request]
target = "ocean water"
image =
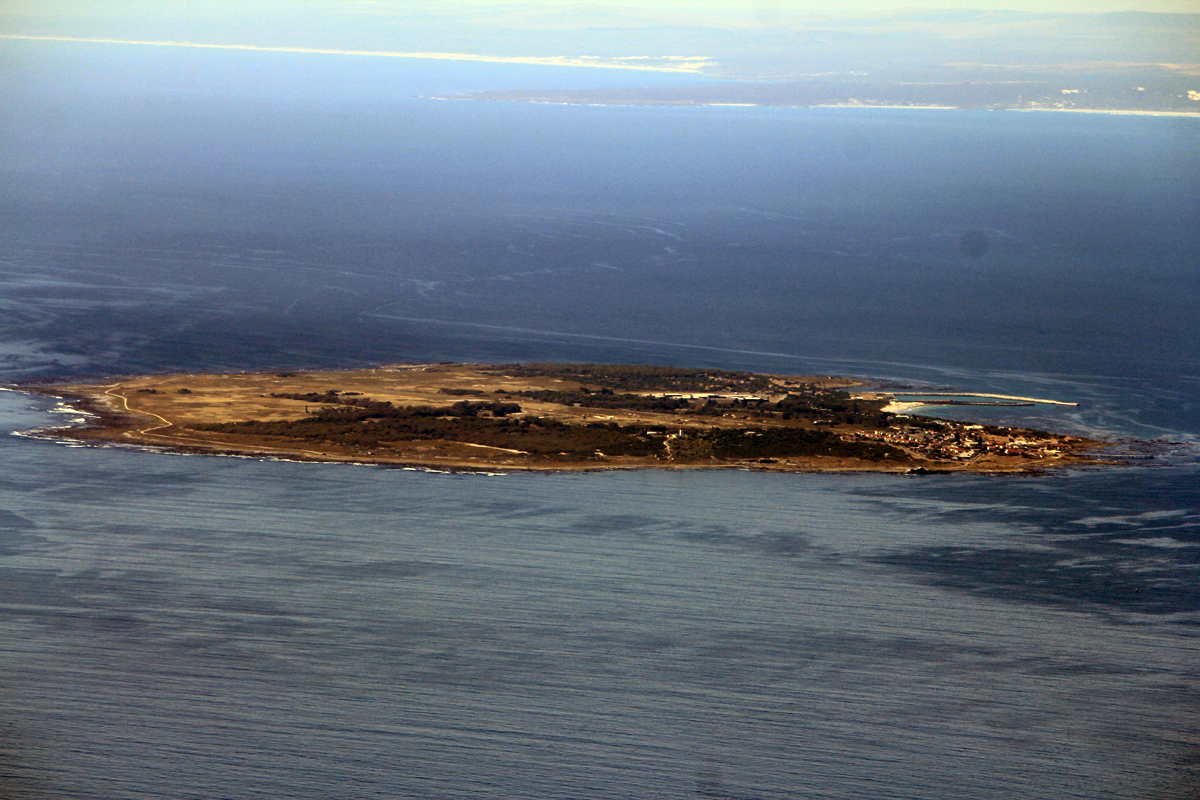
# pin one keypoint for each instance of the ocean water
(184, 626)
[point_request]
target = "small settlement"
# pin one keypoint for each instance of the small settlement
(943, 439)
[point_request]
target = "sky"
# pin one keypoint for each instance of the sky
(720, 38)
(234, 14)
(503, 27)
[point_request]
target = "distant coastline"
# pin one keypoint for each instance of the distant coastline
(1147, 89)
(633, 103)
(1115, 111)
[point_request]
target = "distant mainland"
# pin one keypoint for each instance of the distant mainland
(1154, 89)
(799, 97)
(515, 417)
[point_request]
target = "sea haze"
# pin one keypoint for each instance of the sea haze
(183, 626)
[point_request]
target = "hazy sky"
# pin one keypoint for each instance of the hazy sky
(730, 37)
(888, 6)
(763, 10)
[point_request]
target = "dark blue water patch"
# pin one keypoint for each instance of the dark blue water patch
(1122, 501)
(14, 531)
(373, 570)
(34, 588)
(1076, 549)
(621, 524)
(1092, 578)
(14, 522)
(785, 544)
(81, 484)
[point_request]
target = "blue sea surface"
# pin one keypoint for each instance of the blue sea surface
(183, 626)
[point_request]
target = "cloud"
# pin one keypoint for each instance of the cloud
(652, 63)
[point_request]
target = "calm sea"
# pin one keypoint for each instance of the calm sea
(198, 627)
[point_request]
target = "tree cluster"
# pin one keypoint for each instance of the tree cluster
(606, 398)
(374, 424)
(642, 378)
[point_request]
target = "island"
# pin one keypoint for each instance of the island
(517, 417)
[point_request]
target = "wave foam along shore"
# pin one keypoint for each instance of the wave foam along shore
(1039, 400)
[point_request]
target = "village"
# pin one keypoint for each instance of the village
(936, 439)
(882, 417)
(927, 438)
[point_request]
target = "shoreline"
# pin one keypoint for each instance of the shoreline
(1122, 112)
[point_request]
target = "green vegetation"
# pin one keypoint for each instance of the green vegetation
(825, 406)
(373, 424)
(640, 378)
(832, 405)
(361, 422)
(607, 398)
(741, 444)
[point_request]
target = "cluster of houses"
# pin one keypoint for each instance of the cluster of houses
(963, 442)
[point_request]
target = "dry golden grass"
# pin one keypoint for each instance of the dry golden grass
(246, 396)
